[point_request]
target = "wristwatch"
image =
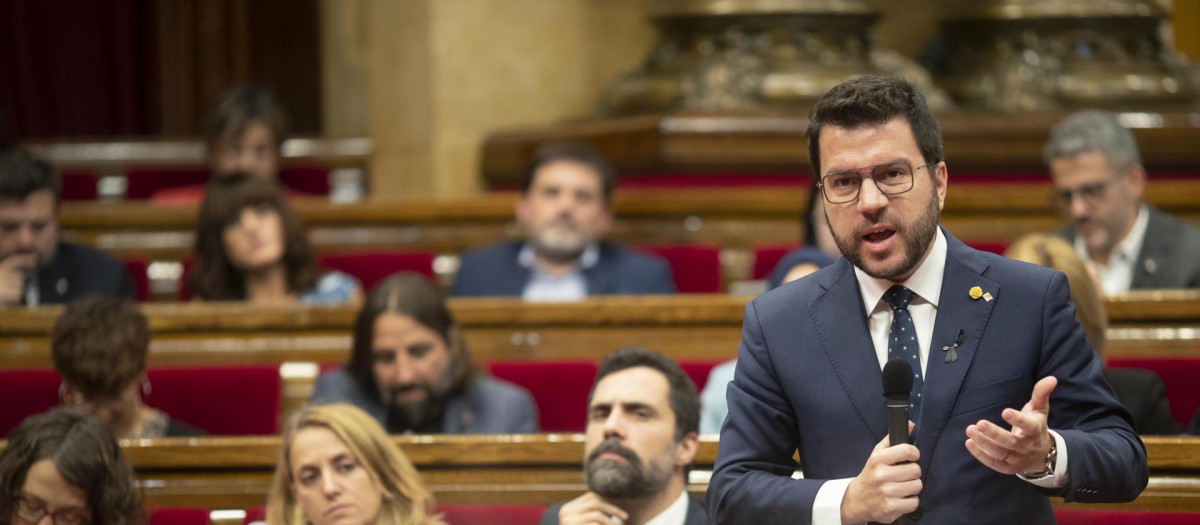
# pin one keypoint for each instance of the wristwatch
(1051, 459)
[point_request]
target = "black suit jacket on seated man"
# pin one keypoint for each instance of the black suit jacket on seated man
(495, 271)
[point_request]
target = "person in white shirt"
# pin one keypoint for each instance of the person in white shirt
(641, 438)
(1099, 182)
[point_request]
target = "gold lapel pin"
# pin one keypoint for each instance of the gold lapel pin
(975, 292)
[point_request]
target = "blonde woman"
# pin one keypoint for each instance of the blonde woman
(337, 465)
(1141, 391)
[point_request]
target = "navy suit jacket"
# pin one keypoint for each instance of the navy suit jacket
(494, 271)
(808, 379)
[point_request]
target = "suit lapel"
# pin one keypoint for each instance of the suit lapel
(600, 278)
(956, 311)
(841, 324)
(1155, 252)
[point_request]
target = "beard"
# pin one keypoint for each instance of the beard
(918, 235)
(560, 241)
(421, 415)
(631, 479)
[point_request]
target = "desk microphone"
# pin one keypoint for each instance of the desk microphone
(897, 384)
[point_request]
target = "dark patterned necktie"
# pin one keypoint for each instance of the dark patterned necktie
(902, 342)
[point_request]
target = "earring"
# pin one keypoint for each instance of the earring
(146, 389)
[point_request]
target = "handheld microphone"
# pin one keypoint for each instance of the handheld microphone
(897, 385)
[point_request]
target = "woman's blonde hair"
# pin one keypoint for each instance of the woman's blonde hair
(405, 499)
(1054, 252)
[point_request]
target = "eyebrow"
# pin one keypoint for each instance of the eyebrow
(897, 160)
(627, 405)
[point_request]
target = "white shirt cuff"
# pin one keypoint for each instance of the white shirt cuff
(827, 506)
(1057, 479)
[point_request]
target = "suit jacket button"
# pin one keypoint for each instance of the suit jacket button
(916, 514)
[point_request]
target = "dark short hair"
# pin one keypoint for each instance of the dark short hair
(574, 152)
(412, 295)
(682, 397)
(871, 101)
(241, 106)
(21, 175)
(86, 455)
(99, 345)
(212, 276)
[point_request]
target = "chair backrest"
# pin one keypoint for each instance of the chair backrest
(235, 401)
(559, 388)
(24, 393)
(371, 267)
(765, 259)
(697, 269)
(254, 514)
(178, 516)
(1179, 378)
(78, 186)
(1122, 517)
(141, 280)
(491, 514)
(698, 371)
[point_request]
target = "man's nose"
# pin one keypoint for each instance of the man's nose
(614, 426)
(26, 238)
(870, 198)
(405, 374)
(1078, 206)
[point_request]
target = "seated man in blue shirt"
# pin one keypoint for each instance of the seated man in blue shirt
(565, 209)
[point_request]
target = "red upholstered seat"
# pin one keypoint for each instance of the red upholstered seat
(144, 182)
(141, 281)
(371, 267)
(178, 516)
(765, 259)
(491, 514)
(309, 180)
(78, 186)
(1179, 377)
(25, 393)
(254, 514)
(559, 389)
(995, 246)
(1122, 517)
(698, 371)
(235, 401)
(697, 269)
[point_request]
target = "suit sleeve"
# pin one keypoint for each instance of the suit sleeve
(752, 476)
(658, 280)
(1107, 459)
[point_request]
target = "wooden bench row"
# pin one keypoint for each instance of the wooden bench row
(701, 327)
(538, 469)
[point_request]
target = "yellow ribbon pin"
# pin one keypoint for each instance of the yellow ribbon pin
(976, 292)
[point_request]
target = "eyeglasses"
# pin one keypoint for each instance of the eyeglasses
(31, 509)
(892, 178)
(1090, 193)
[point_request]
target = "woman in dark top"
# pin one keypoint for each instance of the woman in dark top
(99, 346)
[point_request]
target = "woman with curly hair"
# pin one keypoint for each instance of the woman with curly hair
(66, 466)
(337, 465)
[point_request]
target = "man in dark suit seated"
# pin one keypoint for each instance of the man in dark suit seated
(35, 268)
(1099, 181)
(565, 210)
(1011, 409)
(643, 417)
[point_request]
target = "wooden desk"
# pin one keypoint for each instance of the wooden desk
(696, 328)
(736, 220)
(540, 469)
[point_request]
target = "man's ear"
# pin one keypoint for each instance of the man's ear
(1137, 181)
(455, 344)
(686, 449)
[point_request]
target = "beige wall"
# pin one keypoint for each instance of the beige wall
(430, 78)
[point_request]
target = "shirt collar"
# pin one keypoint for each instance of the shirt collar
(926, 281)
(591, 255)
(1125, 250)
(676, 514)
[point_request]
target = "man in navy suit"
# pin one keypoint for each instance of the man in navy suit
(1009, 406)
(565, 210)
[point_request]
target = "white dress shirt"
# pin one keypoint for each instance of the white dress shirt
(1116, 274)
(543, 287)
(676, 514)
(926, 284)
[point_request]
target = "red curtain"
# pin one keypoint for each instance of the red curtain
(72, 68)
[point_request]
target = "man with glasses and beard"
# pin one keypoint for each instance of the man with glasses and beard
(641, 438)
(1009, 409)
(410, 369)
(1098, 185)
(564, 211)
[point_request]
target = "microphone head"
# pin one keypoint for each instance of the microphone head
(897, 378)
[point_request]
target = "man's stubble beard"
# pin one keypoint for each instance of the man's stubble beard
(917, 238)
(560, 247)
